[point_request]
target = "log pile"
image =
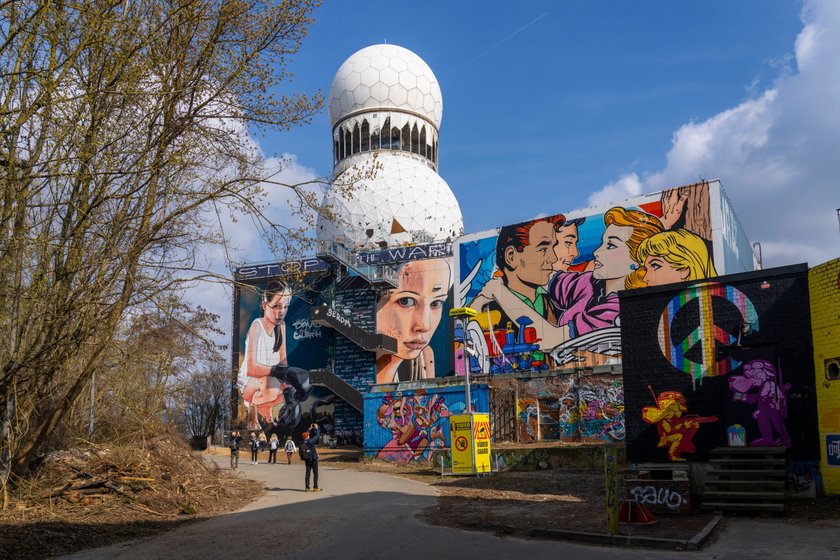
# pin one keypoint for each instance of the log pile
(87, 485)
(160, 476)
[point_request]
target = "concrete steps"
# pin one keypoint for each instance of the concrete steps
(746, 479)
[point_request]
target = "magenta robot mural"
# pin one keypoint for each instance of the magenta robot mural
(760, 384)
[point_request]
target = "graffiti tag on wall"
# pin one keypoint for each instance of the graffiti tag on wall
(661, 496)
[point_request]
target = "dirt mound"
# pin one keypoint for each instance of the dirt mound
(93, 495)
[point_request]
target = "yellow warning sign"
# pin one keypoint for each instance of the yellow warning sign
(482, 429)
(470, 437)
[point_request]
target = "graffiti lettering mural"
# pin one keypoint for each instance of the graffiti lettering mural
(706, 333)
(414, 422)
(600, 409)
(586, 408)
(528, 420)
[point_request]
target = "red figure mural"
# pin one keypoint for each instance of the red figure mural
(676, 430)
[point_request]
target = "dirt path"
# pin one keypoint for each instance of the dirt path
(373, 515)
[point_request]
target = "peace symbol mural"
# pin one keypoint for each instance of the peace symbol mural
(695, 354)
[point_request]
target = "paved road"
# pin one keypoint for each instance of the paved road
(362, 515)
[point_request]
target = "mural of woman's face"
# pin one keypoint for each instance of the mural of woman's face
(612, 258)
(566, 248)
(276, 308)
(413, 309)
(658, 272)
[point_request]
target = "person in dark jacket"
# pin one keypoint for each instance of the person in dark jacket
(311, 438)
(254, 443)
(235, 438)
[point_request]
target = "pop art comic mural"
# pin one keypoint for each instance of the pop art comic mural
(719, 363)
(412, 425)
(415, 313)
(547, 290)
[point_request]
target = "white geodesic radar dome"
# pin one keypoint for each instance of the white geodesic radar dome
(385, 77)
(404, 202)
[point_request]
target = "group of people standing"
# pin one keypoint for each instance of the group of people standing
(257, 443)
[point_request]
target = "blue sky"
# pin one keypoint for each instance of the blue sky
(588, 91)
(562, 105)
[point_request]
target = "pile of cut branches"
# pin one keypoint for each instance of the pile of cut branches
(94, 494)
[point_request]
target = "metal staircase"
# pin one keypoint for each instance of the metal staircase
(379, 276)
(329, 317)
(342, 389)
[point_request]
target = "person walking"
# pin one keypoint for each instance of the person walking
(235, 438)
(290, 448)
(254, 443)
(273, 446)
(310, 456)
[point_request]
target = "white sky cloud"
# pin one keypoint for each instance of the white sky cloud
(775, 153)
(626, 186)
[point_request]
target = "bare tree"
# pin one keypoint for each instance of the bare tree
(205, 400)
(123, 130)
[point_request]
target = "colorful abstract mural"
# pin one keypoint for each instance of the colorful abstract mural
(546, 290)
(527, 420)
(412, 425)
(719, 363)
